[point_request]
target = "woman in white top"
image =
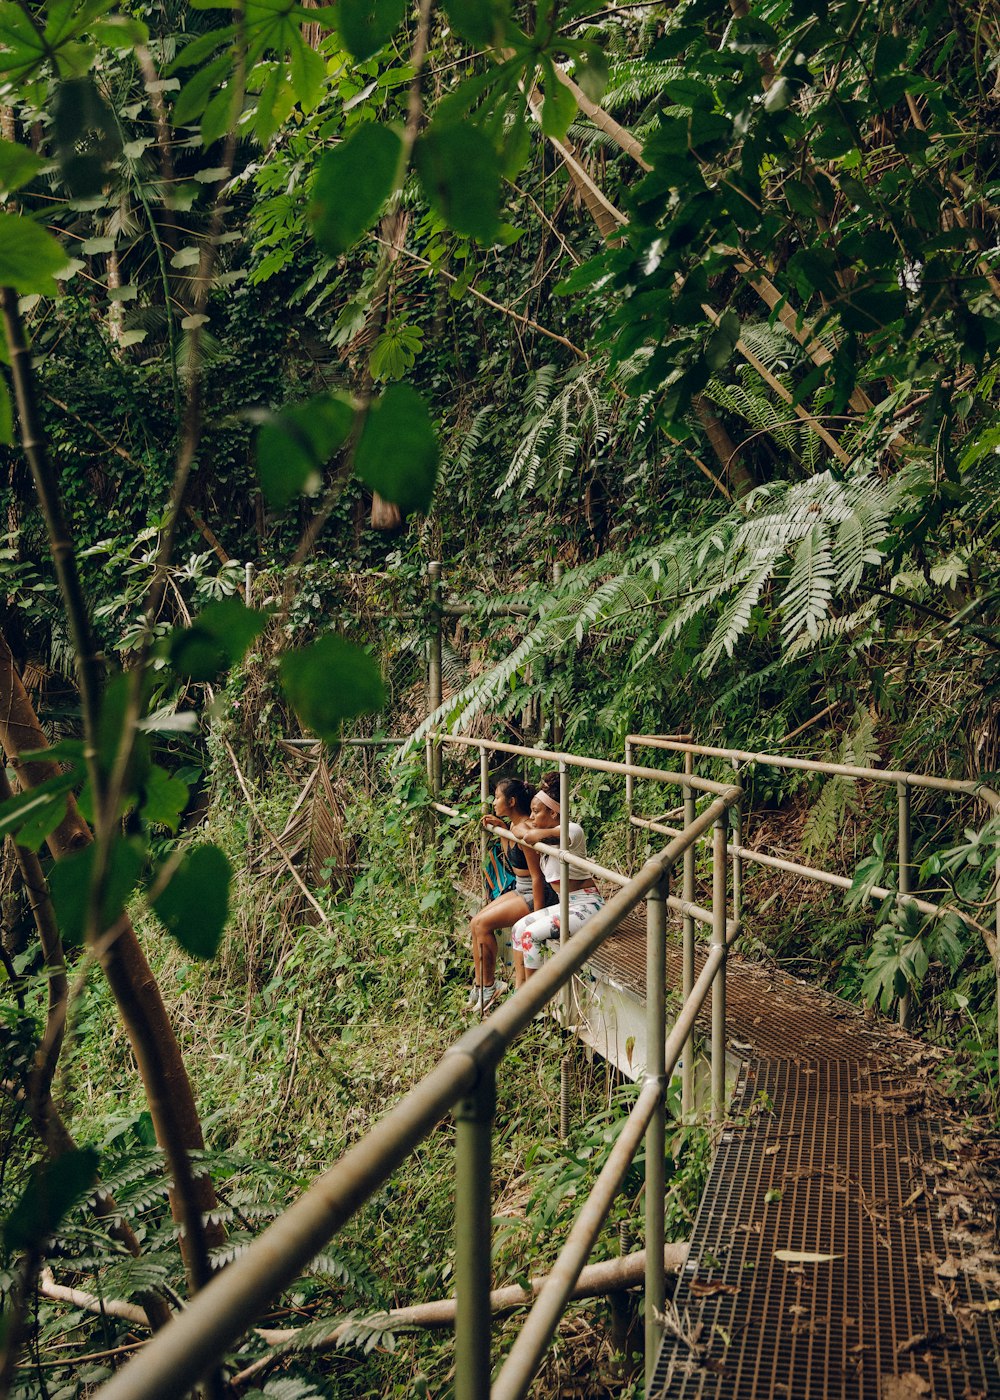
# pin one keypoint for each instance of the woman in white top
(531, 933)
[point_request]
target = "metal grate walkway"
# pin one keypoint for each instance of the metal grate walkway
(835, 1146)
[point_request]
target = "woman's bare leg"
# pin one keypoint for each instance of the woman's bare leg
(502, 913)
(518, 969)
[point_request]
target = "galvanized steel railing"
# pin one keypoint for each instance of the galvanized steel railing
(464, 1082)
(903, 782)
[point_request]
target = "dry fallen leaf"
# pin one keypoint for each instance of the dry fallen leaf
(804, 1256)
(707, 1288)
(947, 1268)
(907, 1387)
(922, 1341)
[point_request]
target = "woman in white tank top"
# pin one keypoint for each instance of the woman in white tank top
(535, 930)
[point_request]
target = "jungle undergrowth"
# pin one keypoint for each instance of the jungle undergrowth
(301, 1034)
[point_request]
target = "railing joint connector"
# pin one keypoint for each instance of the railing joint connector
(482, 1045)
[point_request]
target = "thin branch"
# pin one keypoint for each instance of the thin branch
(255, 814)
(59, 537)
(496, 305)
(191, 430)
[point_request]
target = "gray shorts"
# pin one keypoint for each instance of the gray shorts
(523, 887)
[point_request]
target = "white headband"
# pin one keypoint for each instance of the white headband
(550, 802)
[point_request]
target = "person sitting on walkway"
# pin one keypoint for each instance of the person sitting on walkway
(511, 812)
(531, 933)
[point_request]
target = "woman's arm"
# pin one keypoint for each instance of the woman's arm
(536, 835)
(537, 879)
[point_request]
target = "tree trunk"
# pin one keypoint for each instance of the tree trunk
(165, 1080)
(734, 469)
(386, 515)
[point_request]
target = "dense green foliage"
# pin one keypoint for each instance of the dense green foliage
(698, 304)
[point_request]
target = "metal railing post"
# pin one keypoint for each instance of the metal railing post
(434, 673)
(248, 583)
(629, 809)
(556, 730)
(656, 1034)
(736, 823)
(567, 992)
(473, 1237)
(719, 985)
(687, 949)
(903, 852)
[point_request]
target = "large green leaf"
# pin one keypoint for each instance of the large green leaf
(870, 308)
(308, 73)
(69, 885)
(216, 639)
(460, 173)
(31, 816)
(352, 184)
(194, 906)
(18, 165)
(559, 106)
(398, 452)
(52, 1190)
(30, 258)
(21, 42)
(164, 798)
(366, 25)
(295, 445)
(199, 49)
(481, 22)
(592, 73)
(331, 681)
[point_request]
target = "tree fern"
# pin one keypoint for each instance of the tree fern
(810, 587)
(562, 424)
(798, 550)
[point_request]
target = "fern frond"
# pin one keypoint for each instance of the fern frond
(810, 586)
(630, 84)
(832, 628)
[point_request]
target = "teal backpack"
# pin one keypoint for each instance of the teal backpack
(497, 872)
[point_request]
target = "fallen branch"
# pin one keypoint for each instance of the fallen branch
(89, 1302)
(611, 1276)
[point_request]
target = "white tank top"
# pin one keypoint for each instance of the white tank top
(552, 866)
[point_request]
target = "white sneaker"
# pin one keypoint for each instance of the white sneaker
(490, 998)
(475, 993)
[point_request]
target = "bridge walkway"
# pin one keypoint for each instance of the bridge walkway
(842, 1248)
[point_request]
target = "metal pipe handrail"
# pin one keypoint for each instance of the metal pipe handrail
(810, 765)
(540, 1325)
(600, 765)
(903, 781)
(811, 872)
(614, 877)
(178, 1355)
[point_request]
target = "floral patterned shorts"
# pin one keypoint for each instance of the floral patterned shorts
(531, 933)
